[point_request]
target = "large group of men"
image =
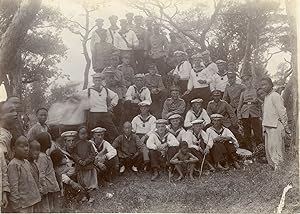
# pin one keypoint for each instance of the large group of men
(154, 104)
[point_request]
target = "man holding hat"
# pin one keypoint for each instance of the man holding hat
(224, 143)
(101, 50)
(134, 95)
(233, 90)
(162, 147)
(100, 101)
(197, 112)
(182, 71)
(154, 83)
(199, 142)
(199, 80)
(140, 50)
(218, 106)
(173, 104)
(112, 31)
(106, 159)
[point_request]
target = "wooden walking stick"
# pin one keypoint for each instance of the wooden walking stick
(201, 168)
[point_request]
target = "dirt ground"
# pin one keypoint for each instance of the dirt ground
(254, 188)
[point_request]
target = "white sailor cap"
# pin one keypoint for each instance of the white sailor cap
(198, 121)
(216, 116)
(98, 130)
(196, 56)
(69, 134)
(179, 53)
(145, 103)
(220, 61)
(139, 76)
(205, 52)
(174, 116)
(198, 100)
(97, 75)
(161, 121)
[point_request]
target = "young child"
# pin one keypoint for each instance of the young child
(184, 161)
(84, 155)
(49, 185)
(24, 192)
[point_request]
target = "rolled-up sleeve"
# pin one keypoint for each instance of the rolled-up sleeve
(111, 151)
(114, 97)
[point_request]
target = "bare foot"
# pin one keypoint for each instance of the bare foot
(179, 178)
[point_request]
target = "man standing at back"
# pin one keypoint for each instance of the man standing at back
(139, 51)
(101, 101)
(112, 30)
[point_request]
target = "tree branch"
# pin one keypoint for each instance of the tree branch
(77, 23)
(271, 55)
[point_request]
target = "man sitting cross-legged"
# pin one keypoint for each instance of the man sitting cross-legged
(184, 161)
(106, 159)
(129, 148)
(162, 146)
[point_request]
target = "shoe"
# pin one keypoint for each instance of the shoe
(122, 169)
(84, 199)
(154, 176)
(134, 169)
(91, 200)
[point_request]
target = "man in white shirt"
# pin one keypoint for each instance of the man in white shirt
(181, 73)
(209, 64)
(134, 95)
(101, 101)
(198, 84)
(196, 113)
(112, 31)
(126, 41)
(162, 147)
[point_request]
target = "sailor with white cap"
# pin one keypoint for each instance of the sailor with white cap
(144, 122)
(224, 143)
(199, 142)
(134, 95)
(196, 112)
(162, 146)
(106, 159)
(101, 100)
(199, 81)
(175, 127)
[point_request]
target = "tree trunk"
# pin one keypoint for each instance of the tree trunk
(87, 65)
(15, 34)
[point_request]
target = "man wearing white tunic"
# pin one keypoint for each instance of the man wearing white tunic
(274, 122)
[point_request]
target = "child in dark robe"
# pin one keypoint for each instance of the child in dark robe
(84, 155)
(184, 161)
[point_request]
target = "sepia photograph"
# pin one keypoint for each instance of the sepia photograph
(149, 106)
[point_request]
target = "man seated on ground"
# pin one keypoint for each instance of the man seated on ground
(134, 95)
(224, 143)
(199, 143)
(65, 166)
(129, 148)
(197, 112)
(106, 159)
(184, 161)
(40, 126)
(174, 104)
(154, 82)
(162, 147)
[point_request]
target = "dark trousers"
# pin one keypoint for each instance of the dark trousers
(182, 84)
(161, 65)
(157, 160)
(112, 166)
(130, 110)
(223, 152)
(203, 93)
(118, 114)
(157, 103)
(140, 61)
(200, 156)
(128, 162)
(253, 123)
(104, 120)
